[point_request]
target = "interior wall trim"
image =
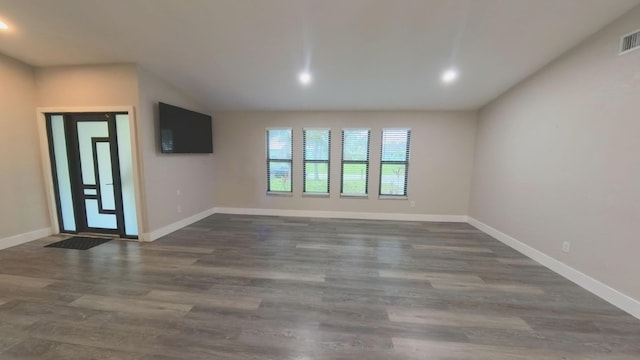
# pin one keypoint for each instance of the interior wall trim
(168, 229)
(605, 292)
(24, 238)
(342, 214)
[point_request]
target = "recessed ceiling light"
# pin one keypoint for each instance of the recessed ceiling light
(449, 76)
(305, 78)
(3, 26)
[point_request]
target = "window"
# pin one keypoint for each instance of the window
(394, 162)
(316, 147)
(355, 162)
(279, 161)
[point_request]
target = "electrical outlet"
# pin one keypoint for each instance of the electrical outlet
(178, 192)
(566, 247)
(412, 204)
(179, 208)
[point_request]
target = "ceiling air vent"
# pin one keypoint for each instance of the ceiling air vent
(630, 42)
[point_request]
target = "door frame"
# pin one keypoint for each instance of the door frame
(46, 159)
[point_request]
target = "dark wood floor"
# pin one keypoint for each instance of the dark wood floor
(249, 287)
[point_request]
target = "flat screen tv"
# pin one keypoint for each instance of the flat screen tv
(184, 131)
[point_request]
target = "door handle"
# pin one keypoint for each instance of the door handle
(109, 184)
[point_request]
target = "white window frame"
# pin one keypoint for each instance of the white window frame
(405, 163)
(269, 160)
(365, 162)
(305, 161)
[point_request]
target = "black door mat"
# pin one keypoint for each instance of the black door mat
(79, 243)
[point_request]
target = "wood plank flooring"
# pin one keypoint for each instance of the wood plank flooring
(254, 287)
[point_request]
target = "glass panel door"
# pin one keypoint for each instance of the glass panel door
(96, 174)
(92, 193)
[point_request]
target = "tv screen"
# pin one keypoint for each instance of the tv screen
(184, 131)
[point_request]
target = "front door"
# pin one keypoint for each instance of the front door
(93, 170)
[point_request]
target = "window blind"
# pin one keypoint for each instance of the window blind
(355, 162)
(316, 157)
(394, 162)
(279, 160)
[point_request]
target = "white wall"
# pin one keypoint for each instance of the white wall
(87, 85)
(23, 205)
(558, 159)
(165, 174)
(160, 175)
(441, 159)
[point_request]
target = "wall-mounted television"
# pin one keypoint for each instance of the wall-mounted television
(184, 131)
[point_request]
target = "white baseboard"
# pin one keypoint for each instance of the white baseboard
(342, 214)
(24, 238)
(607, 293)
(158, 233)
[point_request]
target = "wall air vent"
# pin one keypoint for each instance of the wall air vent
(630, 42)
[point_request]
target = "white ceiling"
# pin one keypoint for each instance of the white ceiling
(364, 54)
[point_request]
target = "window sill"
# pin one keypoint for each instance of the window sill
(354, 196)
(393, 197)
(315, 195)
(280, 193)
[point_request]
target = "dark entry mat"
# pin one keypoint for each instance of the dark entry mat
(78, 243)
